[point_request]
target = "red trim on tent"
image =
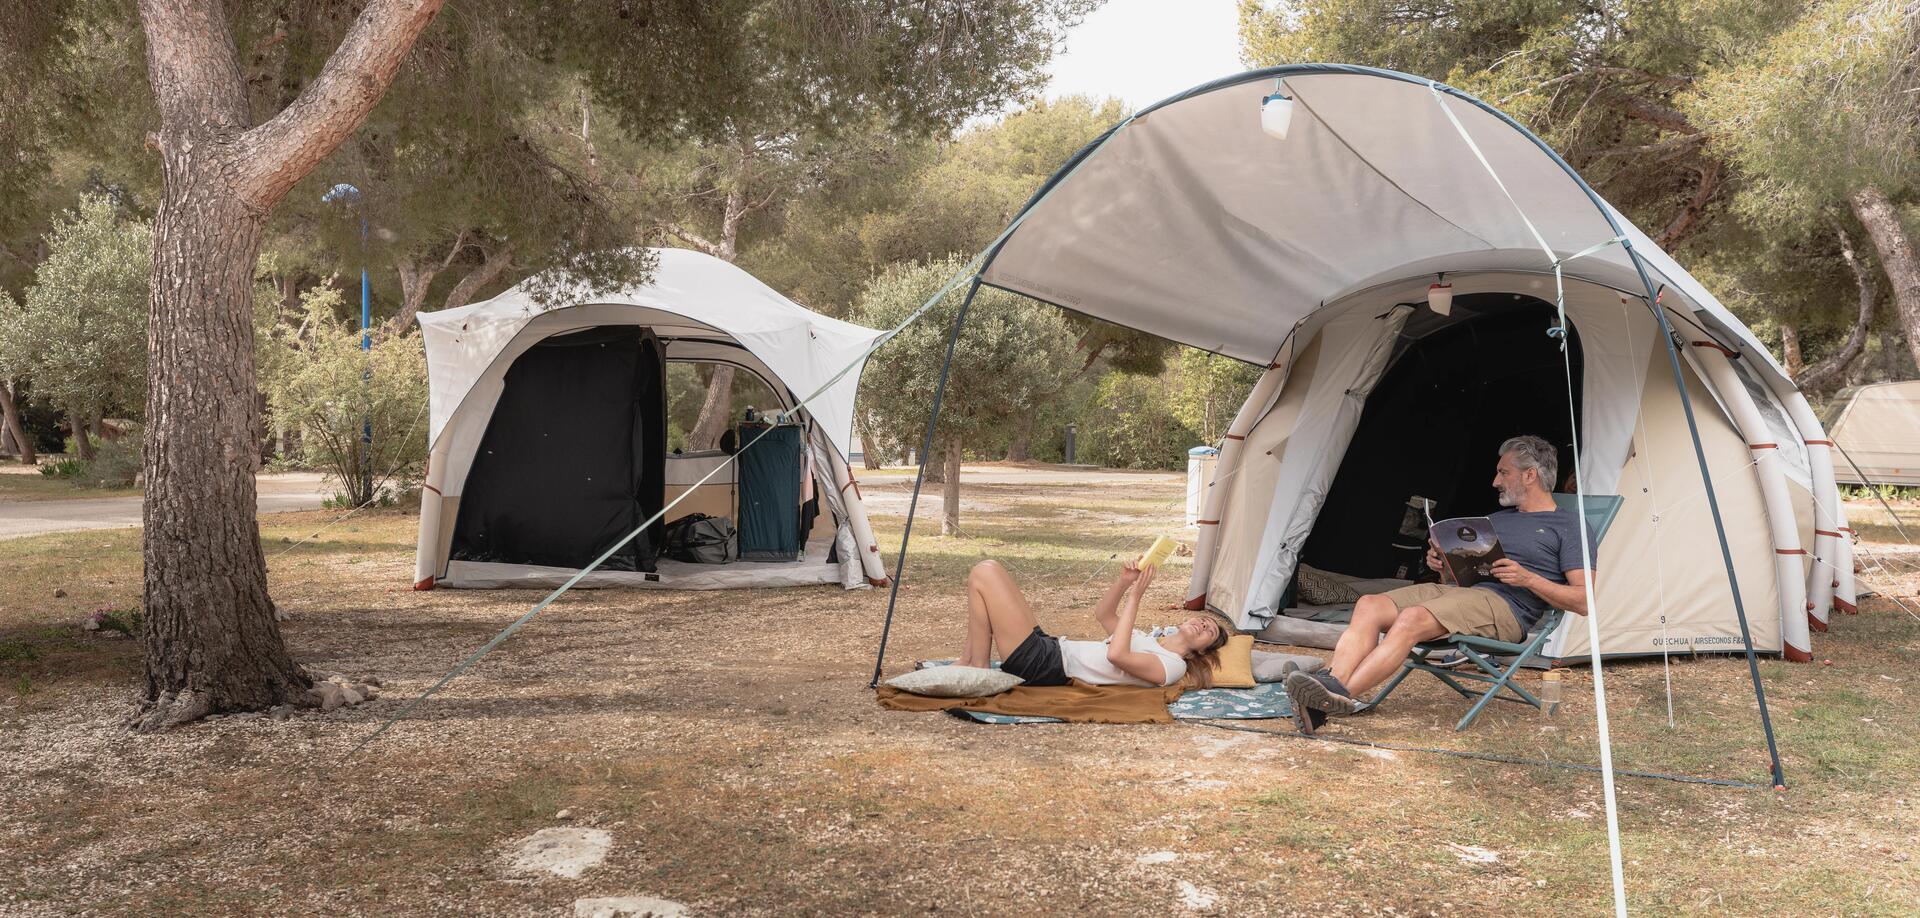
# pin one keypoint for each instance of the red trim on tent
(1846, 606)
(878, 581)
(431, 488)
(1826, 533)
(1795, 654)
(1195, 604)
(1730, 352)
(1206, 522)
(1818, 442)
(1789, 551)
(1763, 446)
(1815, 623)
(426, 584)
(1235, 437)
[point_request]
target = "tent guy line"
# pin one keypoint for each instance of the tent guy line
(1586, 549)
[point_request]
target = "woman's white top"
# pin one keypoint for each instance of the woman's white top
(1087, 661)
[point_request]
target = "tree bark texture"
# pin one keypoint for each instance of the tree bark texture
(16, 430)
(1017, 450)
(716, 411)
(82, 447)
(211, 640)
(1897, 258)
(1790, 349)
(1826, 374)
(950, 491)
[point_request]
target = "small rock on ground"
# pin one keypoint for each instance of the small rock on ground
(628, 907)
(1196, 898)
(561, 852)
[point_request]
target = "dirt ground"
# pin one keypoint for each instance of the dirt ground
(730, 746)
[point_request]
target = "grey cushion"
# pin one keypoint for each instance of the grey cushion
(955, 681)
(1268, 665)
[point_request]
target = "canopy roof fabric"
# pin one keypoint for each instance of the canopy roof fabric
(690, 294)
(1190, 222)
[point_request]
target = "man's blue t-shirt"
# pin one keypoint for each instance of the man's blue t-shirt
(1545, 543)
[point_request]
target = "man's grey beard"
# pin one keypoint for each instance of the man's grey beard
(1507, 499)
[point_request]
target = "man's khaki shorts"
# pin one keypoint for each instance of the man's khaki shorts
(1462, 610)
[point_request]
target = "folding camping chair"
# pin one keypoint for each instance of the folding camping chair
(1488, 654)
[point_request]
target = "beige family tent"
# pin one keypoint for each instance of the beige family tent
(548, 437)
(1879, 428)
(1387, 247)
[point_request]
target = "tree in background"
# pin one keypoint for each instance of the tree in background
(1007, 362)
(1208, 391)
(899, 72)
(327, 387)
(1825, 120)
(81, 334)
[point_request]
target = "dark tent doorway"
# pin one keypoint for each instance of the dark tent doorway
(1457, 388)
(574, 456)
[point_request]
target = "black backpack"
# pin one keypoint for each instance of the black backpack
(701, 539)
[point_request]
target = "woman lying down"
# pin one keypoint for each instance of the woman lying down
(997, 613)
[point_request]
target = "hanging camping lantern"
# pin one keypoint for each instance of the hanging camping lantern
(1276, 113)
(1440, 297)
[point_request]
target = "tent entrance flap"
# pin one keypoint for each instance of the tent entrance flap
(1432, 427)
(574, 456)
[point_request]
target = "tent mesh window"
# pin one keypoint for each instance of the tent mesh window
(574, 456)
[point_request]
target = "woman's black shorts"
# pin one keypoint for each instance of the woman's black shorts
(1037, 660)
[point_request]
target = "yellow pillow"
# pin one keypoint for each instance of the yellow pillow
(1236, 665)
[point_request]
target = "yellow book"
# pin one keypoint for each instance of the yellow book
(1161, 550)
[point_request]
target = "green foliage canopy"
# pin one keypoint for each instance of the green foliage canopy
(81, 333)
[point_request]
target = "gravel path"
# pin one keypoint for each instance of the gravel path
(279, 493)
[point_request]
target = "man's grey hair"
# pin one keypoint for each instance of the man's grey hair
(1531, 452)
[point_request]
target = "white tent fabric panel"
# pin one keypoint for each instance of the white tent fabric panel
(1354, 352)
(1372, 185)
(1243, 524)
(690, 293)
(1661, 559)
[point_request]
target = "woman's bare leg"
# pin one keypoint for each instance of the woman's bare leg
(997, 612)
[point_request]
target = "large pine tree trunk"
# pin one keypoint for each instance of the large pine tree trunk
(16, 431)
(1897, 257)
(212, 643)
(716, 412)
(950, 490)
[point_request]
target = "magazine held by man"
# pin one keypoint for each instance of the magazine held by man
(1469, 546)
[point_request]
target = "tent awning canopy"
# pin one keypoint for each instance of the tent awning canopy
(691, 294)
(1188, 221)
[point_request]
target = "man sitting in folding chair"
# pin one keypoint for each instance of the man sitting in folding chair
(1542, 569)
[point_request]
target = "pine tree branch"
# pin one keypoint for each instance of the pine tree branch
(276, 154)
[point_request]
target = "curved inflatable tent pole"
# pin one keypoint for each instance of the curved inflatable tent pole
(1606, 214)
(1831, 549)
(1715, 364)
